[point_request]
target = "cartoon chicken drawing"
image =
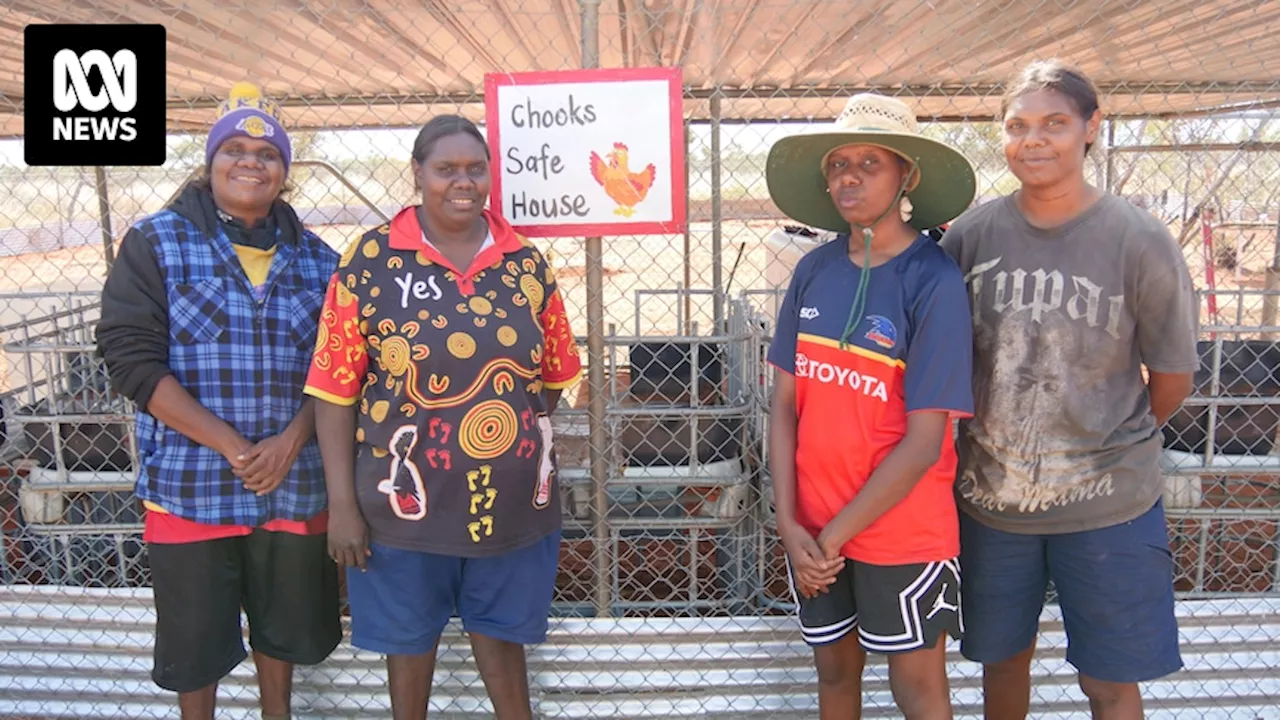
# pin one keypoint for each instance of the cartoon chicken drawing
(626, 188)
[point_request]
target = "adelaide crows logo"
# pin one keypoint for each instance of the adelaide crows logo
(882, 332)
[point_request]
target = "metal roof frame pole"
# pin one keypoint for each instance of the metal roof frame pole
(596, 450)
(686, 323)
(717, 211)
(104, 215)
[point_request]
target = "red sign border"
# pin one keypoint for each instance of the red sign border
(675, 81)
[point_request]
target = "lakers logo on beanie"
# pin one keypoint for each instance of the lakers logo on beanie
(248, 113)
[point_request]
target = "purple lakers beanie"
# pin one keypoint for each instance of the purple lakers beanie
(247, 113)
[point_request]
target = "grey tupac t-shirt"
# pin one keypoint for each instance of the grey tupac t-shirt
(1063, 439)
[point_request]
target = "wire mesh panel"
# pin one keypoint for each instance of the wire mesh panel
(671, 596)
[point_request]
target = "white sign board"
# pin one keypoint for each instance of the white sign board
(587, 152)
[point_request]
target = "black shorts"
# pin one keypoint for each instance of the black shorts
(895, 608)
(286, 584)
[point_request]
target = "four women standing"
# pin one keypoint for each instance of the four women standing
(443, 345)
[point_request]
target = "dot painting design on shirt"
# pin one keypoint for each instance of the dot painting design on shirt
(502, 372)
(481, 308)
(399, 350)
(461, 345)
(329, 342)
(490, 428)
(396, 356)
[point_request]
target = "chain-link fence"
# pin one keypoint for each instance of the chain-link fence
(672, 596)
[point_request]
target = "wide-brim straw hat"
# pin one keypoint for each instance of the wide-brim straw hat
(944, 188)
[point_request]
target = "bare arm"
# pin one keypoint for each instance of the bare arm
(303, 425)
(891, 481)
(172, 405)
(1167, 391)
(336, 433)
(552, 398)
(782, 446)
(814, 572)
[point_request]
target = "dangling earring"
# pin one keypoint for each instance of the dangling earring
(905, 208)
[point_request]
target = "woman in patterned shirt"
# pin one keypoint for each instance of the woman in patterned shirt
(443, 348)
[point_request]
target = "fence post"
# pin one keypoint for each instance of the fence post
(595, 359)
(1109, 174)
(717, 211)
(1272, 286)
(104, 213)
(688, 240)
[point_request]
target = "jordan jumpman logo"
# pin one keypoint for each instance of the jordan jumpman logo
(940, 603)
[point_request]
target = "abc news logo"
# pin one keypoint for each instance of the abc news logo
(95, 95)
(71, 91)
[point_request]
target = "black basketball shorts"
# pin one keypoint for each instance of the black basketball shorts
(286, 585)
(894, 608)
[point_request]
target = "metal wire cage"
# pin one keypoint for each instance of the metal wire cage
(71, 449)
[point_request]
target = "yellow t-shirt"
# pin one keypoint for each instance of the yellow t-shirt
(257, 265)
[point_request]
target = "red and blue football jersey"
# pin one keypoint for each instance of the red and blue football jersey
(911, 351)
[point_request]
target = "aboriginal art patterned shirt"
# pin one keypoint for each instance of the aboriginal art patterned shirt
(447, 368)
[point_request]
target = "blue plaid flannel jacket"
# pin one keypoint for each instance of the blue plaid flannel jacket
(243, 359)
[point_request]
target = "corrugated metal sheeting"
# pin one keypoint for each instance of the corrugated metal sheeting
(379, 62)
(83, 653)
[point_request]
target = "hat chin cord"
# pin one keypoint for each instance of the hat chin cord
(864, 279)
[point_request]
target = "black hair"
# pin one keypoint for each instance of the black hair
(438, 128)
(442, 126)
(1060, 77)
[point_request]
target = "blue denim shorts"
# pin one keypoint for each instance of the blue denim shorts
(402, 602)
(1115, 590)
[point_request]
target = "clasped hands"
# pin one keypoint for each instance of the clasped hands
(263, 466)
(815, 561)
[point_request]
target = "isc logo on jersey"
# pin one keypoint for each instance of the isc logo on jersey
(71, 91)
(828, 374)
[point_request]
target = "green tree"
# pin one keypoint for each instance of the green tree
(188, 152)
(304, 144)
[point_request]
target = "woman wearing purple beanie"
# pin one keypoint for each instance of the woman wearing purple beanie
(208, 324)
